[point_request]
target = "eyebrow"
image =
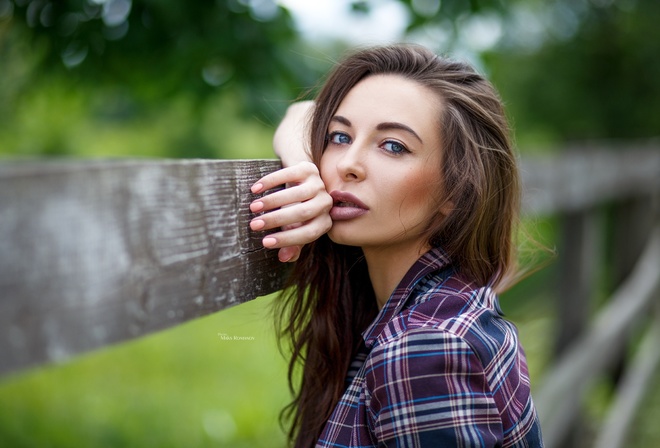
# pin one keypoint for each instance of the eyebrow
(394, 125)
(342, 120)
(381, 126)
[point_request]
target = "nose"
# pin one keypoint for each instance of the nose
(351, 164)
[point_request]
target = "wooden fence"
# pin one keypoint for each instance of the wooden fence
(93, 253)
(97, 252)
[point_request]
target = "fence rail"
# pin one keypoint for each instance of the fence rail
(93, 253)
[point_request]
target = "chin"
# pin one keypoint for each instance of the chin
(343, 238)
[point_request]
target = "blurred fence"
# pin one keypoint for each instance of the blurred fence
(584, 187)
(93, 253)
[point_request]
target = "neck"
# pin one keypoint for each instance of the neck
(387, 266)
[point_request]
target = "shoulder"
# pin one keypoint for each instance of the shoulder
(453, 350)
(422, 360)
(427, 346)
(465, 311)
(471, 316)
(418, 345)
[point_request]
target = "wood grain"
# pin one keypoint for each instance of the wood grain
(92, 253)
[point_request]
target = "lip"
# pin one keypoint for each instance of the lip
(354, 209)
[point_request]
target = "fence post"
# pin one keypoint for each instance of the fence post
(632, 222)
(580, 235)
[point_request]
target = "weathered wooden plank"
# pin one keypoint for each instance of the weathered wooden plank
(590, 355)
(93, 253)
(579, 178)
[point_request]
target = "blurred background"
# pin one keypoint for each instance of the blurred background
(211, 79)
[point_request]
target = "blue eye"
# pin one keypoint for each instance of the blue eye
(339, 138)
(394, 147)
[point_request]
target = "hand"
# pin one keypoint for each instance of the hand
(291, 139)
(302, 210)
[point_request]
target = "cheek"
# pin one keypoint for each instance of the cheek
(418, 199)
(326, 166)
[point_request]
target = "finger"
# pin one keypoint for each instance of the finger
(300, 193)
(289, 253)
(292, 174)
(295, 213)
(302, 235)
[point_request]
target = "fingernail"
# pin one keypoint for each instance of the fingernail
(256, 188)
(285, 254)
(256, 206)
(269, 241)
(257, 224)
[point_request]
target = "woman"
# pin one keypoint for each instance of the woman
(392, 315)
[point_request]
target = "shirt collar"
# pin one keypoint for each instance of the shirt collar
(430, 262)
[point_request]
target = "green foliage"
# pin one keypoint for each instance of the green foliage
(60, 119)
(447, 12)
(158, 48)
(157, 78)
(594, 79)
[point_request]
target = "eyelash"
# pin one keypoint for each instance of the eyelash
(404, 150)
(331, 136)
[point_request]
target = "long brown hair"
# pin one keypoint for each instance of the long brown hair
(330, 301)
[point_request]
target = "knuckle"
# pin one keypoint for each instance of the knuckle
(316, 187)
(310, 233)
(308, 169)
(328, 202)
(327, 223)
(306, 213)
(309, 166)
(305, 191)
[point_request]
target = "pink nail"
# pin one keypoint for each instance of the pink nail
(285, 254)
(269, 242)
(256, 188)
(257, 224)
(256, 206)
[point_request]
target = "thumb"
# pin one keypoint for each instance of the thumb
(289, 253)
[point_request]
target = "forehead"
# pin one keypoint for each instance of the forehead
(393, 98)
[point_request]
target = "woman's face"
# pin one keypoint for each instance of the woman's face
(382, 164)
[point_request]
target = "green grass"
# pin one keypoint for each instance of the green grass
(182, 387)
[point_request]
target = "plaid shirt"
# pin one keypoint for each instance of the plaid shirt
(439, 368)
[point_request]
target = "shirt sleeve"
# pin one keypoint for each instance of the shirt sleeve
(427, 388)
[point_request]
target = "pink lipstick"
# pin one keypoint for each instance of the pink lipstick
(346, 206)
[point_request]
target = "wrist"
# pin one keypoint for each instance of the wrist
(291, 138)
